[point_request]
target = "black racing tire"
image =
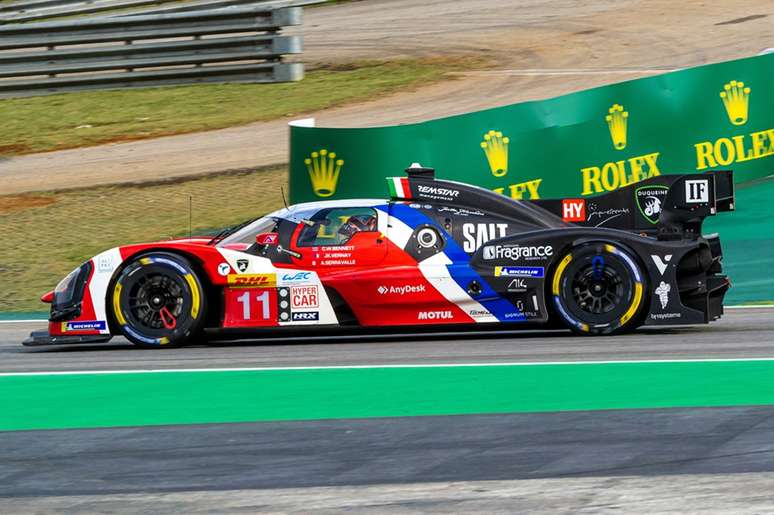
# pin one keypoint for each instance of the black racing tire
(598, 289)
(158, 301)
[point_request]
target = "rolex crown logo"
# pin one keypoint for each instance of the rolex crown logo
(495, 147)
(617, 121)
(736, 99)
(324, 171)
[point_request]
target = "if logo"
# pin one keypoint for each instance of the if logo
(696, 191)
(495, 147)
(617, 122)
(736, 100)
(324, 171)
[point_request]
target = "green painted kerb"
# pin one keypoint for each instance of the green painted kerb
(104, 400)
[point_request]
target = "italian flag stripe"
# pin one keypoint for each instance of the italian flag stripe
(399, 187)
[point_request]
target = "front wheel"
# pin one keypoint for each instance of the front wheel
(157, 301)
(598, 289)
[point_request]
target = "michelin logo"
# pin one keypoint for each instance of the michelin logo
(90, 325)
(520, 271)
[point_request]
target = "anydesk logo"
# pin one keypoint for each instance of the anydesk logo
(402, 290)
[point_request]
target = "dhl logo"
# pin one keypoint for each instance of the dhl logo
(252, 280)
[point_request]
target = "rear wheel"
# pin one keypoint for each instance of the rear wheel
(158, 301)
(598, 289)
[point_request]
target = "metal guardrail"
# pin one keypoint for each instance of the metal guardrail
(226, 45)
(36, 10)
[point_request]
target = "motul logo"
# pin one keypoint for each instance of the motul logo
(435, 315)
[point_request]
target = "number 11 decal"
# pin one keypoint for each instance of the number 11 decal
(251, 307)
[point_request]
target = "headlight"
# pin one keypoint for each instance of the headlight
(68, 294)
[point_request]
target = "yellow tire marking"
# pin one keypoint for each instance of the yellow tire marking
(635, 304)
(558, 273)
(163, 340)
(195, 294)
(117, 304)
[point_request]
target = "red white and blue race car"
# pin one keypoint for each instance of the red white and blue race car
(436, 253)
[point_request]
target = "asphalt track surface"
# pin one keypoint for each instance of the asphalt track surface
(657, 460)
(746, 333)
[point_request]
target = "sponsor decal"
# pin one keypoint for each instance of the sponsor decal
(402, 290)
(252, 280)
(437, 193)
(517, 285)
(477, 313)
(661, 264)
(224, 269)
(738, 148)
(242, 265)
(87, 325)
(617, 121)
(105, 264)
(460, 211)
(520, 271)
(601, 217)
(650, 200)
(519, 191)
(623, 172)
(435, 315)
(662, 291)
(516, 252)
(574, 210)
(297, 277)
(268, 238)
(696, 191)
(475, 235)
(664, 316)
(304, 297)
(495, 147)
(305, 316)
(324, 170)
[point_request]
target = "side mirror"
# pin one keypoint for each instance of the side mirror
(267, 238)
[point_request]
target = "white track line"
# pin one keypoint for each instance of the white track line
(366, 367)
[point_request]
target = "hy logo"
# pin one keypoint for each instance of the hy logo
(736, 99)
(617, 120)
(495, 147)
(324, 171)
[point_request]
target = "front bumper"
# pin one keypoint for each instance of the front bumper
(41, 338)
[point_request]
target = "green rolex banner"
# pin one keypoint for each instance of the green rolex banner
(719, 116)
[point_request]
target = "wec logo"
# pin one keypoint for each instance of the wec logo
(299, 276)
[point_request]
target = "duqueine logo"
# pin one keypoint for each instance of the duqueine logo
(650, 200)
(623, 172)
(737, 148)
(324, 170)
(495, 147)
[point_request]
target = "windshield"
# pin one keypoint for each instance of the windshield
(248, 233)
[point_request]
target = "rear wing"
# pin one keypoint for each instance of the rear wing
(666, 206)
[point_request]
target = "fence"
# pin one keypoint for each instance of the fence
(36, 10)
(225, 45)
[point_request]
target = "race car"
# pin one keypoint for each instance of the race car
(436, 253)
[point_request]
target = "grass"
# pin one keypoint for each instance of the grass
(45, 235)
(72, 120)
